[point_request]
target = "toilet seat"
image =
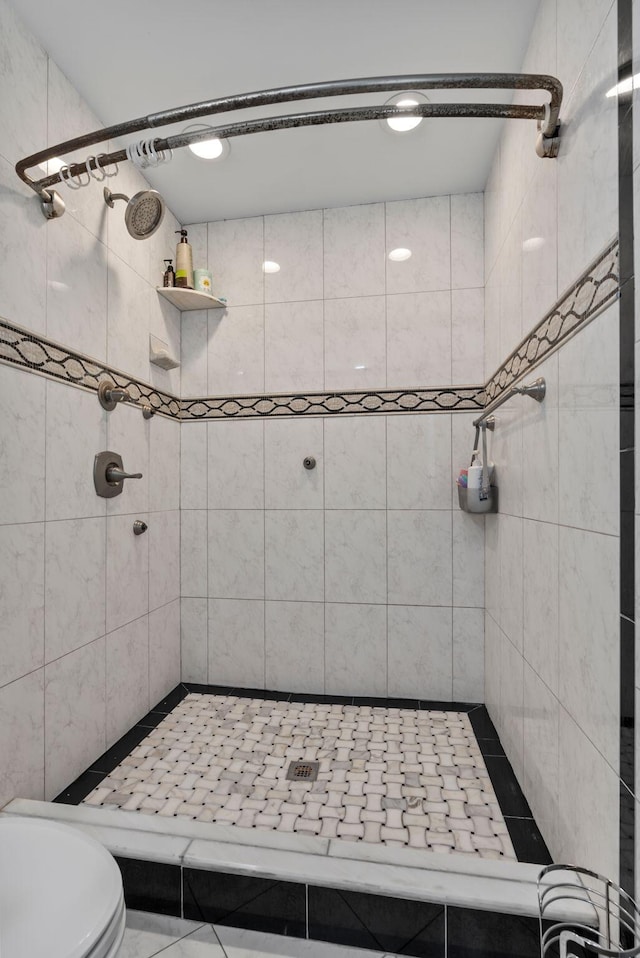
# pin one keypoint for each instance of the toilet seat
(60, 893)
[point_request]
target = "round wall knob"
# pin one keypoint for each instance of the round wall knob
(309, 462)
(139, 527)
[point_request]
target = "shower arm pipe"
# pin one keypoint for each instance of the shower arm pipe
(546, 115)
(535, 390)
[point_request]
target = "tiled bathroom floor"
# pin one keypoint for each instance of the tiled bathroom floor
(398, 776)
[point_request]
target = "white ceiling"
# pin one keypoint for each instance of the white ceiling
(133, 57)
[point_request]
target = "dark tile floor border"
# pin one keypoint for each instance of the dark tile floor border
(350, 918)
(525, 835)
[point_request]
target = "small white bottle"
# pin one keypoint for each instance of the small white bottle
(474, 472)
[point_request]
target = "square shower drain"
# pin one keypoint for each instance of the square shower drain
(303, 771)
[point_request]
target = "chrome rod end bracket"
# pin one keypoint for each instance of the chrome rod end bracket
(52, 205)
(490, 423)
(548, 144)
(538, 389)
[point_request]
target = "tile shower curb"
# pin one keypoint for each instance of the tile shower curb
(588, 296)
(507, 887)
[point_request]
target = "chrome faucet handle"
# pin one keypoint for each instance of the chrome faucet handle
(114, 474)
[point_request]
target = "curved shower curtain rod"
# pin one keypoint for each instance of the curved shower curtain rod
(547, 116)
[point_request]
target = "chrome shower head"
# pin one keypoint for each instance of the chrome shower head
(144, 212)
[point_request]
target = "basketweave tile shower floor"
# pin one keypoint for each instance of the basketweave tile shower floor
(391, 775)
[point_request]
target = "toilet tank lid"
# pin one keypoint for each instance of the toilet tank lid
(59, 889)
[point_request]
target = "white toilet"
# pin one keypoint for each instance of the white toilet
(61, 893)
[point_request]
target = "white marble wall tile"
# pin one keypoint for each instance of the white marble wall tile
(511, 578)
(420, 655)
(23, 252)
(77, 290)
(194, 352)
(468, 559)
(467, 240)
(493, 227)
(236, 351)
(76, 429)
(22, 456)
(355, 649)
(492, 576)
(355, 462)
(295, 242)
(287, 484)
(193, 465)
(493, 639)
(164, 557)
(468, 655)
(419, 557)
(355, 348)
(492, 354)
(588, 629)
(294, 555)
(467, 336)
(423, 226)
(506, 451)
(193, 640)
(540, 453)
(22, 738)
(198, 237)
(355, 555)
(235, 465)
(587, 164)
(127, 318)
(23, 68)
(586, 785)
(590, 428)
(127, 572)
(127, 677)
(294, 346)
(21, 600)
(193, 552)
(236, 255)
(540, 600)
(354, 251)
(578, 24)
(540, 785)
(510, 276)
(164, 651)
(128, 434)
(512, 705)
(294, 646)
(540, 246)
(419, 339)
(164, 464)
(75, 584)
(74, 707)
(166, 325)
(236, 553)
(236, 643)
(419, 462)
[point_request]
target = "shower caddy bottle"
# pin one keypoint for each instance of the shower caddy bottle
(184, 262)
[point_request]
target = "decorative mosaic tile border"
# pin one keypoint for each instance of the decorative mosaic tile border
(24, 349)
(590, 294)
(444, 399)
(596, 289)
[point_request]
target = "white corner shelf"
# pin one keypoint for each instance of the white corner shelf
(186, 299)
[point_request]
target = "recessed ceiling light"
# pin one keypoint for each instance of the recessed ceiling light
(211, 149)
(270, 267)
(400, 254)
(359, 367)
(404, 124)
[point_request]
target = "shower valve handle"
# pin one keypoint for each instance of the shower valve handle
(114, 474)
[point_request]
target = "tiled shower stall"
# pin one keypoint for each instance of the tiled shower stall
(360, 577)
